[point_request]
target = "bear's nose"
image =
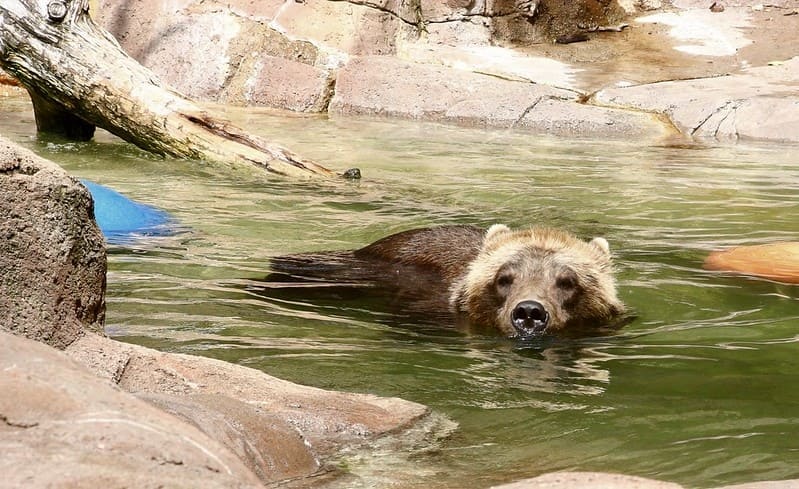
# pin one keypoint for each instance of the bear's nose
(529, 317)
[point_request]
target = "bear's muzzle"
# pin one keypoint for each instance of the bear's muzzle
(529, 318)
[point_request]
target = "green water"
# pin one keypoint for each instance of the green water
(700, 389)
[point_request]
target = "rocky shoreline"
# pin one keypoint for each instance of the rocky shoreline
(79, 409)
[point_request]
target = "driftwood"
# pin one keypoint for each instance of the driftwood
(79, 77)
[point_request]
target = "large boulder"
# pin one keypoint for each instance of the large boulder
(326, 420)
(52, 255)
(62, 426)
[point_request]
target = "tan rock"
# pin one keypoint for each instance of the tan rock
(382, 85)
(285, 84)
(274, 450)
(786, 484)
(376, 85)
(774, 261)
(52, 255)
(64, 427)
(588, 480)
(567, 118)
(761, 103)
(345, 27)
(328, 420)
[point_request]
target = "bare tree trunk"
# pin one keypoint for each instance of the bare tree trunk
(79, 77)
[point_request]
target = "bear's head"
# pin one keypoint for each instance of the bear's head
(536, 281)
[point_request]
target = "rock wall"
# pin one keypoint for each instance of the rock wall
(484, 59)
(52, 255)
(285, 53)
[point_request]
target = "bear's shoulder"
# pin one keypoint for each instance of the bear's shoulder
(445, 249)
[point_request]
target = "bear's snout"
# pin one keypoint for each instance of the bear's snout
(529, 317)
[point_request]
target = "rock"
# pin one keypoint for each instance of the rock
(270, 447)
(750, 105)
(234, 58)
(64, 427)
(52, 255)
(566, 118)
(328, 420)
(6, 79)
(588, 480)
(277, 82)
(381, 85)
(774, 261)
(786, 484)
(348, 28)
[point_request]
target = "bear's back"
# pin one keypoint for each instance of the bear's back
(444, 250)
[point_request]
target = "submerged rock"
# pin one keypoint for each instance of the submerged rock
(773, 261)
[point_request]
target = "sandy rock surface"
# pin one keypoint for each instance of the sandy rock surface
(586, 480)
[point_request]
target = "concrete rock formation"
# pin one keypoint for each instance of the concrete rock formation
(52, 255)
(648, 69)
(62, 427)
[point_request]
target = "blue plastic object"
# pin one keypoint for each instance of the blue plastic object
(120, 217)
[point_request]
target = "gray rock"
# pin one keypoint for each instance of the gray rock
(588, 480)
(382, 85)
(52, 255)
(758, 104)
(64, 427)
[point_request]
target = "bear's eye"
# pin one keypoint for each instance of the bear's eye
(567, 281)
(504, 280)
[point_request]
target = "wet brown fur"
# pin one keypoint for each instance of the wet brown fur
(455, 269)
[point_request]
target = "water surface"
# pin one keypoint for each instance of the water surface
(698, 390)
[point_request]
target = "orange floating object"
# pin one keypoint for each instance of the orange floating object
(775, 261)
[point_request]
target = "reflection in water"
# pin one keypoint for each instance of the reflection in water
(696, 390)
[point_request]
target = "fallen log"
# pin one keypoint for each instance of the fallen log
(79, 77)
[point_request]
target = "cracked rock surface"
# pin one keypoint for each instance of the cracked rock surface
(650, 69)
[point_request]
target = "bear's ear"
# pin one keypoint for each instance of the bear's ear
(601, 244)
(494, 231)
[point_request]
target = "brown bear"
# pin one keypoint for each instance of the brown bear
(517, 283)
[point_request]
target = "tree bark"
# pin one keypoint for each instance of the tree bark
(72, 66)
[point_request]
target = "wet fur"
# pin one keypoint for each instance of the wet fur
(449, 272)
